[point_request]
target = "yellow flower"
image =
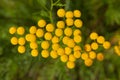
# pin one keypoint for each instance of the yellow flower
(70, 64)
(20, 30)
(21, 49)
(64, 58)
(92, 55)
(68, 50)
(76, 48)
(55, 46)
(77, 38)
(84, 56)
(14, 41)
(45, 53)
(32, 30)
(87, 47)
(34, 52)
(12, 30)
(60, 24)
(71, 43)
(72, 58)
(78, 23)
(106, 44)
(61, 12)
(53, 54)
(93, 36)
(88, 62)
(30, 37)
(33, 45)
(117, 50)
(77, 13)
(68, 31)
(69, 22)
(100, 56)
(69, 14)
(60, 51)
(65, 39)
(50, 27)
(76, 32)
(77, 54)
(94, 46)
(39, 33)
(21, 41)
(45, 44)
(48, 36)
(100, 39)
(58, 32)
(55, 39)
(41, 23)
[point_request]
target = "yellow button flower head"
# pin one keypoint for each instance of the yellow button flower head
(69, 14)
(100, 39)
(20, 30)
(84, 56)
(92, 55)
(70, 64)
(48, 36)
(60, 51)
(71, 43)
(93, 36)
(77, 54)
(14, 41)
(12, 30)
(55, 46)
(60, 24)
(45, 53)
(34, 52)
(59, 32)
(76, 32)
(77, 13)
(55, 39)
(65, 39)
(30, 37)
(21, 49)
(68, 31)
(41, 23)
(21, 41)
(50, 27)
(64, 58)
(78, 23)
(72, 58)
(100, 56)
(87, 47)
(33, 45)
(106, 44)
(76, 48)
(45, 44)
(68, 50)
(88, 62)
(53, 54)
(39, 33)
(94, 46)
(69, 22)
(117, 50)
(61, 12)
(32, 30)
(77, 38)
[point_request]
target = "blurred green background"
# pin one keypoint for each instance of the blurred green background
(102, 16)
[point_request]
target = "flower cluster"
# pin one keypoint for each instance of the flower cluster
(117, 48)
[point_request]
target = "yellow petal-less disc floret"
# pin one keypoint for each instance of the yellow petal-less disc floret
(77, 38)
(87, 47)
(77, 54)
(106, 45)
(12, 30)
(64, 58)
(84, 56)
(100, 56)
(20, 30)
(48, 36)
(69, 22)
(70, 64)
(92, 55)
(21, 49)
(60, 24)
(65, 40)
(39, 33)
(34, 52)
(14, 41)
(60, 51)
(93, 36)
(32, 30)
(78, 23)
(94, 46)
(45, 53)
(55, 46)
(71, 43)
(41, 23)
(21, 41)
(50, 27)
(55, 39)
(68, 50)
(69, 14)
(72, 58)
(77, 13)
(30, 37)
(33, 45)
(58, 32)
(76, 48)
(61, 12)
(68, 31)
(88, 62)
(45, 44)
(100, 39)
(53, 54)
(76, 32)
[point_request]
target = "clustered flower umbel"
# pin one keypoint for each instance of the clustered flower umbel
(61, 40)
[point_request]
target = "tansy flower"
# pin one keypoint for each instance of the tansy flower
(21, 41)
(39, 33)
(78, 23)
(87, 47)
(48, 36)
(72, 58)
(45, 44)
(60, 51)
(34, 52)
(69, 22)
(77, 13)
(94, 46)
(41, 23)
(64, 58)
(32, 30)
(100, 56)
(12, 30)
(69, 14)
(68, 50)
(61, 12)
(70, 64)
(76, 32)
(14, 41)
(60, 24)
(84, 56)
(55, 46)
(76, 48)
(77, 38)
(21, 49)
(93, 36)
(50, 27)
(45, 53)
(77, 54)
(106, 45)
(55, 39)
(88, 62)
(33, 45)
(53, 54)
(58, 32)
(65, 40)
(100, 39)
(68, 31)
(20, 30)
(92, 55)
(30, 37)
(71, 43)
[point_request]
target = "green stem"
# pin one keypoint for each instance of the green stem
(51, 8)
(56, 2)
